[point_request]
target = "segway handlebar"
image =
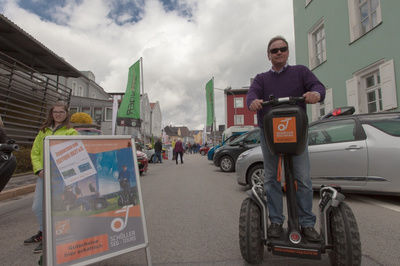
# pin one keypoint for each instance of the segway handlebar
(8, 147)
(285, 100)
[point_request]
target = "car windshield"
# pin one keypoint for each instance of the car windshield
(252, 136)
(232, 138)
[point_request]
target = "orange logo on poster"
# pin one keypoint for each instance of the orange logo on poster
(62, 227)
(284, 129)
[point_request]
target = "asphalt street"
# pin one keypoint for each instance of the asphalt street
(192, 214)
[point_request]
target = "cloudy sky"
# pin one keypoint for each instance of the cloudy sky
(183, 43)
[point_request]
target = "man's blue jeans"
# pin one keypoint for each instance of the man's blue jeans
(158, 156)
(37, 206)
(273, 188)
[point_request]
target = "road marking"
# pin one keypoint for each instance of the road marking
(389, 206)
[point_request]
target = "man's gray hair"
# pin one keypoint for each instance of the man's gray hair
(277, 38)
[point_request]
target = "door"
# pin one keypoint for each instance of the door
(336, 155)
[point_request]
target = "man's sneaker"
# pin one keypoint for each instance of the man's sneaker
(38, 249)
(34, 239)
(310, 234)
(275, 230)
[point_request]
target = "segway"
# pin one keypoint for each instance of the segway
(285, 131)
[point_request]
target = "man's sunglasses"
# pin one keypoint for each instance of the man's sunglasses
(275, 50)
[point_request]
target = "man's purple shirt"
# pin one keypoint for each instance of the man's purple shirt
(292, 81)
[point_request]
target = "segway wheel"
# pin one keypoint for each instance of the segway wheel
(345, 237)
(250, 232)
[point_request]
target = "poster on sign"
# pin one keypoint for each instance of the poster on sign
(93, 201)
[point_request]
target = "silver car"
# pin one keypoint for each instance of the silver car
(360, 153)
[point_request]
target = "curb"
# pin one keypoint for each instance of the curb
(17, 191)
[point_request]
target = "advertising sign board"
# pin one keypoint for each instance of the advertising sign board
(93, 202)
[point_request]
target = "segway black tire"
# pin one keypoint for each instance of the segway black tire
(251, 232)
(345, 237)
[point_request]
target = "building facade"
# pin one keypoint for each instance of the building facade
(353, 54)
(236, 111)
(155, 120)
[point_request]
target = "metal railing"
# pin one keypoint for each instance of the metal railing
(25, 96)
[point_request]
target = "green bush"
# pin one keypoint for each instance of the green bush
(23, 156)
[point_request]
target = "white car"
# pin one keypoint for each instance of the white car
(360, 153)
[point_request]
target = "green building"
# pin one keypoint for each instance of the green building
(352, 47)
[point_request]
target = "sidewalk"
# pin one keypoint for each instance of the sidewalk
(18, 185)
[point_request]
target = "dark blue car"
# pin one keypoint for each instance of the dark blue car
(210, 154)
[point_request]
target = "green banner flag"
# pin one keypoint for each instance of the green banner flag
(129, 110)
(210, 101)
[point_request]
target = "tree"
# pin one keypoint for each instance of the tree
(82, 118)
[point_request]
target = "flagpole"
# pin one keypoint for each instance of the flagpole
(142, 85)
(114, 114)
(215, 120)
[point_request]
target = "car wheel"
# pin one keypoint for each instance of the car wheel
(227, 164)
(255, 175)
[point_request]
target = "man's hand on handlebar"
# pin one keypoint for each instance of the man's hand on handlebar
(256, 105)
(312, 97)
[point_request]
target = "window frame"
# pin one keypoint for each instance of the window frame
(313, 54)
(237, 119)
(238, 102)
(105, 113)
(355, 23)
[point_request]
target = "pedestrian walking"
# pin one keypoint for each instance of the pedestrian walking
(57, 123)
(179, 150)
(158, 150)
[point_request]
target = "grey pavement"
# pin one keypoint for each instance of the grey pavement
(18, 185)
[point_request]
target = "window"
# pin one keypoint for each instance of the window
(324, 107)
(364, 15)
(238, 102)
(373, 89)
(98, 114)
(389, 124)
(373, 92)
(74, 92)
(317, 44)
(238, 119)
(73, 110)
(80, 91)
(87, 110)
(108, 114)
(332, 132)
(255, 119)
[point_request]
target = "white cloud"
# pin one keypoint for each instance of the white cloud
(224, 39)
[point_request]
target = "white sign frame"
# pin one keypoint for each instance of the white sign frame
(50, 223)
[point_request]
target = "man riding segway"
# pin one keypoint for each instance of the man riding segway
(279, 96)
(284, 80)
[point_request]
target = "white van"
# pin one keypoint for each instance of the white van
(235, 129)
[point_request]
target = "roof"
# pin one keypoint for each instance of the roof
(173, 131)
(20, 46)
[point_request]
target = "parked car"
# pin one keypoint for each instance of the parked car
(88, 131)
(211, 151)
(360, 153)
(204, 149)
(225, 156)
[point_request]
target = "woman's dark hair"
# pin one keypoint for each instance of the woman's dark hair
(277, 38)
(50, 121)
